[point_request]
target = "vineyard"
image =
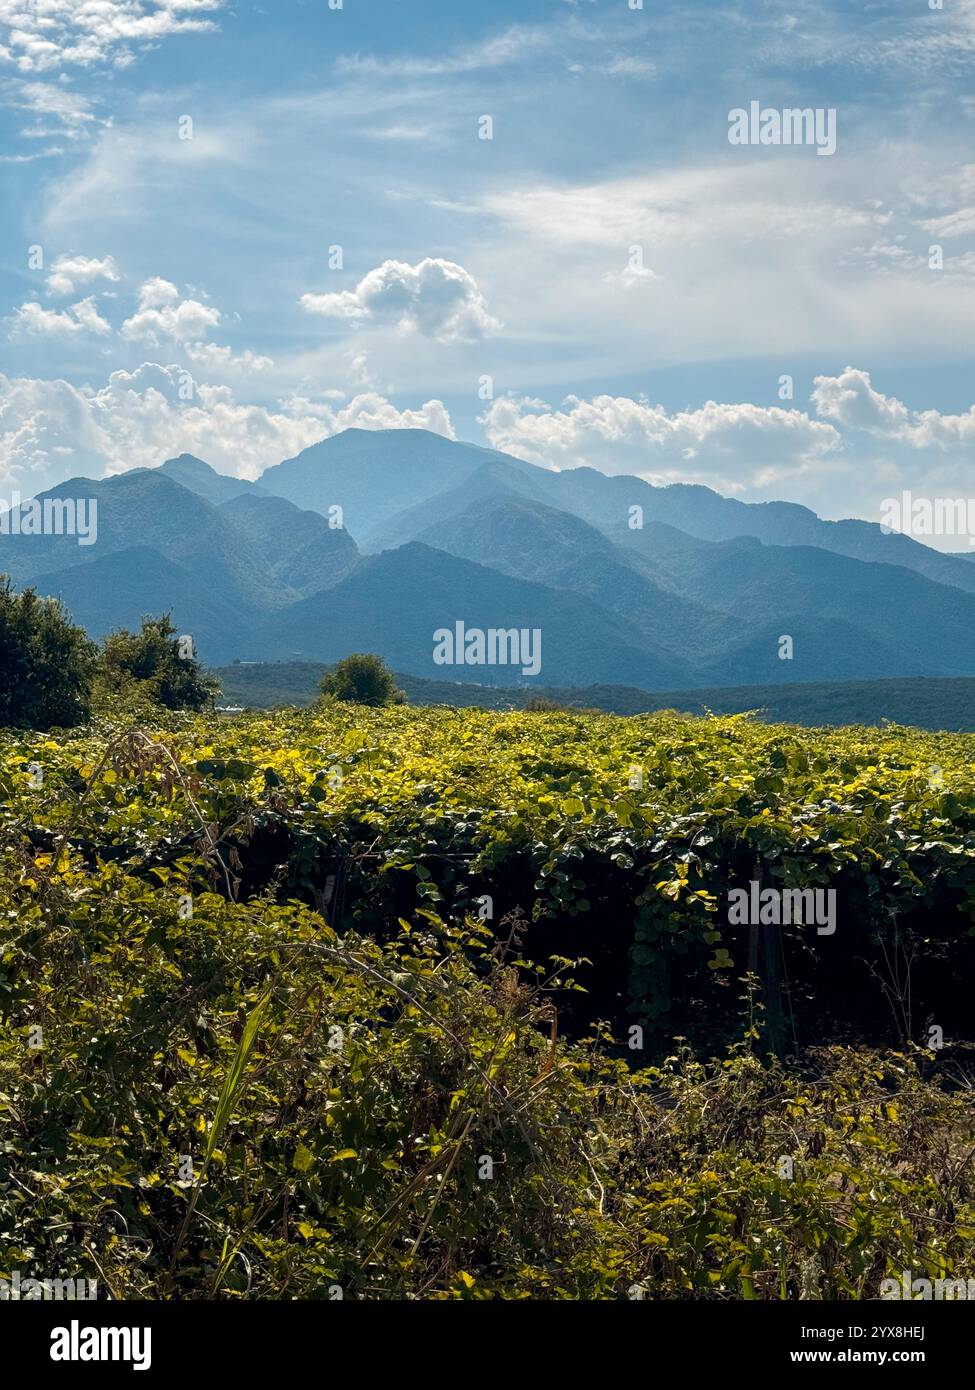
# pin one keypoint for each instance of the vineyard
(437, 1003)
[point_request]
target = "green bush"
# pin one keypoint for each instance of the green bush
(46, 664)
(152, 665)
(362, 679)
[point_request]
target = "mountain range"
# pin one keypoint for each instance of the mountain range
(378, 540)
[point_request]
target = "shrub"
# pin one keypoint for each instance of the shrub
(46, 663)
(362, 679)
(246, 1105)
(153, 663)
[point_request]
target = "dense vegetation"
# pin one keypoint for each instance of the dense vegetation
(156, 663)
(46, 663)
(292, 1006)
(52, 675)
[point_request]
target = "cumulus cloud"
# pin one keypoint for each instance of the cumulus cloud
(223, 360)
(81, 317)
(730, 446)
(52, 430)
(852, 401)
(88, 316)
(162, 314)
(58, 33)
(69, 272)
(437, 298)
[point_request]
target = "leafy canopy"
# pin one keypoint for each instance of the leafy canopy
(362, 679)
(156, 662)
(46, 663)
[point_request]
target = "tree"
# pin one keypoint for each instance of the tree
(157, 662)
(46, 663)
(362, 679)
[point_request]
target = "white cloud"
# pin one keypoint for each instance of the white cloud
(752, 260)
(629, 65)
(61, 110)
(81, 317)
(728, 200)
(88, 316)
(435, 297)
(224, 361)
(133, 172)
(518, 43)
(51, 34)
(68, 272)
(958, 223)
(31, 158)
(51, 430)
(733, 447)
(424, 133)
(851, 400)
(162, 314)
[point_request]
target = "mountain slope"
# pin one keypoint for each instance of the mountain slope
(393, 604)
(566, 551)
(707, 515)
(532, 541)
(147, 508)
(492, 480)
(119, 590)
(300, 549)
(607, 502)
(883, 614)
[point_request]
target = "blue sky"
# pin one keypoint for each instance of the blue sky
(634, 285)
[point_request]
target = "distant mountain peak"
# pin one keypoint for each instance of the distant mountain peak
(187, 462)
(205, 480)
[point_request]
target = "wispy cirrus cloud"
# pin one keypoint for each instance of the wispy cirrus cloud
(53, 108)
(517, 43)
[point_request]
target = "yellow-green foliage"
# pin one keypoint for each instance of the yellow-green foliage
(634, 828)
(338, 1095)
